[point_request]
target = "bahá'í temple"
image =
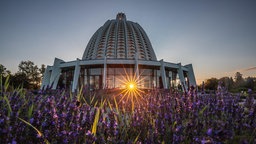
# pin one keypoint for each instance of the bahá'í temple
(117, 50)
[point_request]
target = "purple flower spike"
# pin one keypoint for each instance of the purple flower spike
(14, 141)
(31, 120)
(209, 131)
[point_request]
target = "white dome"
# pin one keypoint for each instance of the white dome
(119, 39)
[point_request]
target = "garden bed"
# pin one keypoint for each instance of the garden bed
(155, 117)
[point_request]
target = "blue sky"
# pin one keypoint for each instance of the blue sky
(217, 36)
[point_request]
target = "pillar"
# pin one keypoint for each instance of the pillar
(105, 73)
(191, 75)
(46, 78)
(56, 71)
(163, 74)
(182, 78)
(76, 75)
(136, 65)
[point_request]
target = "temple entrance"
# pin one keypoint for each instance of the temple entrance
(95, 82)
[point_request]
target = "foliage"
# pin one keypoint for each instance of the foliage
(159, 117)
(20, 80)
(29, 75)
(211, 84)
(239, 78)
(240, 84)
(31, 72)
(2, 69)
(227, 82)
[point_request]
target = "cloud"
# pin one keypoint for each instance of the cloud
(245, 69)
(241, 70)
(250, 68)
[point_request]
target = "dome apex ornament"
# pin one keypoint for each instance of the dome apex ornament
(120, 16)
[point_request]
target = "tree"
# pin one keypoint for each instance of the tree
(227, 82)
(239, 84)
(31, 72)
(4, 73)
(20, 80)
(250, 82)
(239, 79)
(3, 70)
(42, 70)
(211, 84)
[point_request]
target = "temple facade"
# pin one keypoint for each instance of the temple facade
(118, 50)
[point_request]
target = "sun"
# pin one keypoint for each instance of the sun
(131, 92)
(131, 86)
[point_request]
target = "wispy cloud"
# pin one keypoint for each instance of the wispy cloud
(250, 68)
(241, 70)
(245, 69)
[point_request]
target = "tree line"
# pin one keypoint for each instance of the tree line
(28, 76)
(236, 84)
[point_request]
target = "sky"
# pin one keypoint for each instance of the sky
(217, 36)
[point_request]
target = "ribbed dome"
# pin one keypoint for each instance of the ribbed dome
(119, 39)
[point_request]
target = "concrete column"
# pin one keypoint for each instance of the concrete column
(136, 65)
(46, 78)
(163, 74)
(76, 75)
(191, 75)
(55, 73)
(105, 73)
(182, 78)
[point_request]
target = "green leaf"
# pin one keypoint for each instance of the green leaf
(136, 139)
(6, 83)
(1, 83)
(253, 135)
(110, 106)
(174, 124)
(80, 94)
(92, 99)
(96, 120)
(38, 132)
(202, 110)
(30, 111)
(9, 106)
(117, 108)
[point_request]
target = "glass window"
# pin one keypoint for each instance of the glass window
(110, 81)
(146, 72)
(119, 83)
(95, 71)
(97, 82)
(85, 80)
(91, 80)
(123, 71)
(119, 71)
(110, 71)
